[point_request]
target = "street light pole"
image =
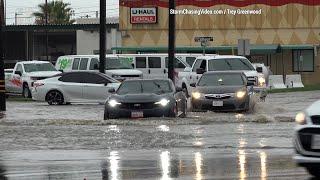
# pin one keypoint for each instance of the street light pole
(2, 80)
(46, 22)
(102, 52)
(171, 41)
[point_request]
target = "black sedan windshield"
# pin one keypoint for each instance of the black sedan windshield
(221, 80)
(149, 86)
(230, 64)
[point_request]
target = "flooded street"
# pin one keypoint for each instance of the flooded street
(39, 141)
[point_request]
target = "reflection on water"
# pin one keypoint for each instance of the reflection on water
(165, 164)
(114, 165)
(263, 159)
(242, 154)
(163, 128)
(242, 164)
(198, 160)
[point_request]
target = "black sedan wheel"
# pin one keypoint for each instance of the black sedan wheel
(54, 98)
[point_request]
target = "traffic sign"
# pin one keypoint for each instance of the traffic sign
(203, 39)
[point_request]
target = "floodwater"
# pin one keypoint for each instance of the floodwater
(73, 142)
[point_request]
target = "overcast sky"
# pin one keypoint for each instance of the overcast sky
(81, 8)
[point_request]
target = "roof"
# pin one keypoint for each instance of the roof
(265, 48)
(109, 20)
(209, 57)
(34, 62)
(224, 72)
(56, 27)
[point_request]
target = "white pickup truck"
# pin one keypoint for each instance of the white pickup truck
(220, 63)
(20, 79)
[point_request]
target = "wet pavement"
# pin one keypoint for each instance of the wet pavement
(73, 142)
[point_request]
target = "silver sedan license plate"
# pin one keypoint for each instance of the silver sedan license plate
(217, 103)
(315, 142)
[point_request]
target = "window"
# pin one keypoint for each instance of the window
(154, 62)
(19, 68)
(303, 60)
(230, 64)
(94, 79)
(190, 60)
(177, 63)
(83, 63)
(141, 62)
(197, 64)
(71, 77)
(75, 64)
(39, 67)
(94, 64)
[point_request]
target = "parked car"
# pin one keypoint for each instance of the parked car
(74, 87)
(156, 65)
(307, 139)
(25, 73)
(265, 71)
(146, 98)
(222, 91)
(211, 63)
(118, 68)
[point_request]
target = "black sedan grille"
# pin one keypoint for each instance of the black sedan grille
(218, 96)
(305, 136)
(315, 119)
(138, 105)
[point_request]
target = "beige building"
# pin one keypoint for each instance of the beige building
(283, 35)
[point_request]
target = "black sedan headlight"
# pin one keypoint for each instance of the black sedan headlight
(113, 103)
(163, 102)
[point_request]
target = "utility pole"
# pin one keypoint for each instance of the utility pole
(102, 51)
(171, 41)
(46, 21)
(2, 80)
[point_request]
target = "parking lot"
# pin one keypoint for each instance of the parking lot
(39, 141)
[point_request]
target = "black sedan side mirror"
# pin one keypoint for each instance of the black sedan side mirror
(18, 73)
(259, 69)
(193, 84)
(179, 89)
(61, 70)
(200, 71)
(112, 90)
(250, 83)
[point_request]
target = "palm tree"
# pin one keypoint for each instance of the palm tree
(58, 13)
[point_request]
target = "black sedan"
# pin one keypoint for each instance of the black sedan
(146, 98)
(221, 91)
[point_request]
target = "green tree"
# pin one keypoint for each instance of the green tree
(58, 13)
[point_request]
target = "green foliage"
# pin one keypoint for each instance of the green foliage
(58, 13)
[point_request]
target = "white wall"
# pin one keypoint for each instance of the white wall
(88, 41)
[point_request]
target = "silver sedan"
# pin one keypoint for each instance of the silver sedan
(74, 87)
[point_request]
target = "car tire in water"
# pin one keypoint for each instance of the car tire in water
(26, 91)
(54, 98)
(314, 171)
(106, 115)
(173, 112)
(184, 110)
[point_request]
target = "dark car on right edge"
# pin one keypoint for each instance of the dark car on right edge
(222, 91)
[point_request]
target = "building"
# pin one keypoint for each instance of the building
(88, 40)
(28, 42)
(284, 35)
